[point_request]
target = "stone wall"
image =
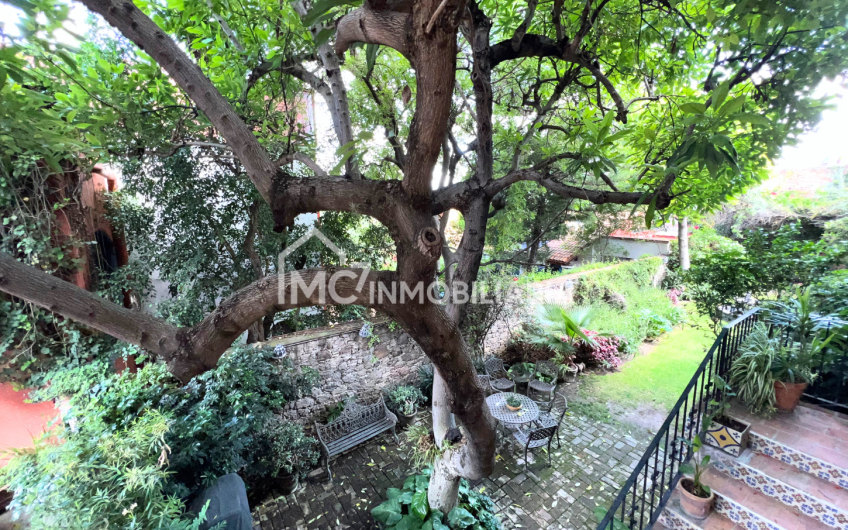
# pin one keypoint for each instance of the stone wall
(348, 364)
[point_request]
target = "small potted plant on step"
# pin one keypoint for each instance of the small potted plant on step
(724, 432)
(696, 498)
(513, 403)
(403, 400)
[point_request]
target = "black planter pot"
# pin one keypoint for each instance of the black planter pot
(406, 421)
(285, 484)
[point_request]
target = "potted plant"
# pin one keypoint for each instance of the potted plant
(724, 432)
(513, 403)
(521, 372)
(696, 498)
(291, 454)
(403, 400)
(792, 372)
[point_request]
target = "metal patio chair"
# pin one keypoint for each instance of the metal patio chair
(548, 370)
(554, 415)
(499, 379)
(535, 439)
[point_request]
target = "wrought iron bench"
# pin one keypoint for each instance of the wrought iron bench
(357, 424)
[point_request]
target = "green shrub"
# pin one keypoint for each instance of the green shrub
(649, 314)
(769, 264)
(96, 477)
(626, 276)
(220, 415)
(404, 399)
(409, 508)
(288, 451)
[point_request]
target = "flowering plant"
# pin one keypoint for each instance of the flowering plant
(600, 350)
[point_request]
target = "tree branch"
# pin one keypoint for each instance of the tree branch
(138, 27)
(303, 159)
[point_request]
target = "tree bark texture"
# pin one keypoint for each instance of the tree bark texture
(683, 242)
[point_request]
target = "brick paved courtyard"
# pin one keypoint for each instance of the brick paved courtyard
(594, 460)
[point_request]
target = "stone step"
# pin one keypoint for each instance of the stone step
(810, 430)
(823, 469)
(726, 515)
(805, 481)
(744, 500)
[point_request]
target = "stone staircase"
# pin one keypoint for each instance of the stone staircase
(793, 476)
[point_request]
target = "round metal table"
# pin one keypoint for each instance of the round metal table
(497, 405)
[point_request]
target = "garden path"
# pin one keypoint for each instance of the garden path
(595, 459)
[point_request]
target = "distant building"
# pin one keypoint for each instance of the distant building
(620, 244)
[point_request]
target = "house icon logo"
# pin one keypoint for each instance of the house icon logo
(309, 282)
(306, 237)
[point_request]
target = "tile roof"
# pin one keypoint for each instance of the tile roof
(645, 235)
(564, 251)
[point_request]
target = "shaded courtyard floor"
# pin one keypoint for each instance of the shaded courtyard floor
(594, 460)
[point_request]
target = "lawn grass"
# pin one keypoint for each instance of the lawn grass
(658, 377)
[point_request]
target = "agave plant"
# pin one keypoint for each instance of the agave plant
(561, 326)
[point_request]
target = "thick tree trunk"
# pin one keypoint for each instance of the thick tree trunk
(683, 242)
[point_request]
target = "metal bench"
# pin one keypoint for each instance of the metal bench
(357, 424)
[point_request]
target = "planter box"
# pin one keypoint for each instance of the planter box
(728, 434)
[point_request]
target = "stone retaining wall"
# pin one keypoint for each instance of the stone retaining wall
(349, 364)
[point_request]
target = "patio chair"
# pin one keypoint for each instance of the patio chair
(548, 370)
(554, 415)
(485, 383)
(499, 379)
(535, 439)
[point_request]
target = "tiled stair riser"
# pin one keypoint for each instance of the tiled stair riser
(799, 460)
(805, 503)
(724, 506)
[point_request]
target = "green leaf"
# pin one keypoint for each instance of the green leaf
(693, 108)
(420, 506)
(732, 106)
(421, 483)
(649, 215)
(409, 522)
(750, 117)
(650, 134)
(321, 7)
(409, 483)
(323, 36)
(460, 518)
(687, 469)
(720, 94)
(371, 51)
(393, 493)
(642, 199)
(711, 14)
(388, 512)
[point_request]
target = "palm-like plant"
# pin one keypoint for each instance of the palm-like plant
(561, 326)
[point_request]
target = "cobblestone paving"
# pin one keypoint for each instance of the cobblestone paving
(595, 459)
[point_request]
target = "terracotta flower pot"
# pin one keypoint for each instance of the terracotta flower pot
(788, 395)
(510, 407)
(694, 506)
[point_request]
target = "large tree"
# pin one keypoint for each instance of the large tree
(666, 105)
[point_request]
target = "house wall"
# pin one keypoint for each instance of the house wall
(612, 247)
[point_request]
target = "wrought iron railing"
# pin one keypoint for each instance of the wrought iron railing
(645, 493)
